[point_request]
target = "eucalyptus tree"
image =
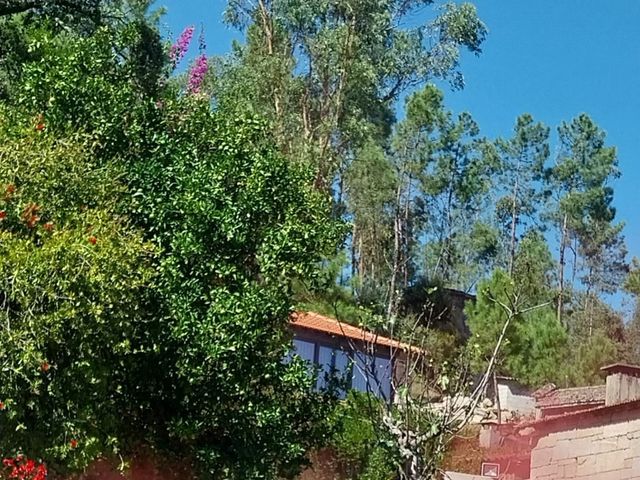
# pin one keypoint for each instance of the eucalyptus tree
(523, 158)
(413, 144)
(327, 73)
(371, 192)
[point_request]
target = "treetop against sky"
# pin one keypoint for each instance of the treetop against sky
(551, 59)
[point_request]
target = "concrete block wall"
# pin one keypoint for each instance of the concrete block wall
(608, 451)
(511, 401)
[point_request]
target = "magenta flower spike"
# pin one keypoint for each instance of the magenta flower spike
(179, 49)
(197, 74)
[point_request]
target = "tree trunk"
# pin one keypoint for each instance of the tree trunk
(395, 267)
(514, 221)
(406, 235)
(497, 394)
(561, 261)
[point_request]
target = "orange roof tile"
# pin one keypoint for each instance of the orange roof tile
(320, 323)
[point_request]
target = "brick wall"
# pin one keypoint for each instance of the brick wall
(606, 448)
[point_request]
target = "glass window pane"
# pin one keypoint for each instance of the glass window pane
(342, 370)
(304, 349)
(325, 357)
(342, 362)
(362, 373)
(383, 376)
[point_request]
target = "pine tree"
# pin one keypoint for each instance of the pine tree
(583, 211)
(523, 157)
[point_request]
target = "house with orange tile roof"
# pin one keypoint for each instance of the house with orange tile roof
(366, 361)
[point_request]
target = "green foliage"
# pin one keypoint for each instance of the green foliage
(581, 182)
(588, 357)
(455, 181)
(148, 252)
(324, 73)
(235, 222)
(371, 185)
(533, 268)
(486, 318)
(358, 440)
(73, 283)
(538, 349)
(535, 343)
(523, 159)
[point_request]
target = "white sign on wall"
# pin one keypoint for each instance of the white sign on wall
(491, 470)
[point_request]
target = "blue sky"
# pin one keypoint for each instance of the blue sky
(551, 58)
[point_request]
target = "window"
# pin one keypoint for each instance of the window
(325, 361)
(383, 376)
(361, 372)
(361, 379)
(372, 374)
(304, 349)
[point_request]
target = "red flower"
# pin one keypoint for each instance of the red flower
(42, 472)
(48, 226)
(45, 367)
(92, 240)
(73, 443)
(3, 214)
(22, 468)
(2, 406)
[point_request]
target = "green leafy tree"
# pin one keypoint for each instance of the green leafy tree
(537, 348)
(358, 441)
(590, 314)
(371, 192)
(534, 342)
(73, 283)
(486, 319)
(533, 269)
(327, 73)
(412, 144)
(158, 298)
(588, 358)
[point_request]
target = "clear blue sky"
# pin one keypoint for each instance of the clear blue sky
(551, 58)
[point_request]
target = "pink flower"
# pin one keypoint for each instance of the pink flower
(197, 74)
(179, 49)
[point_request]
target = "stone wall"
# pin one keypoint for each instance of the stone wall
(606, 448)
